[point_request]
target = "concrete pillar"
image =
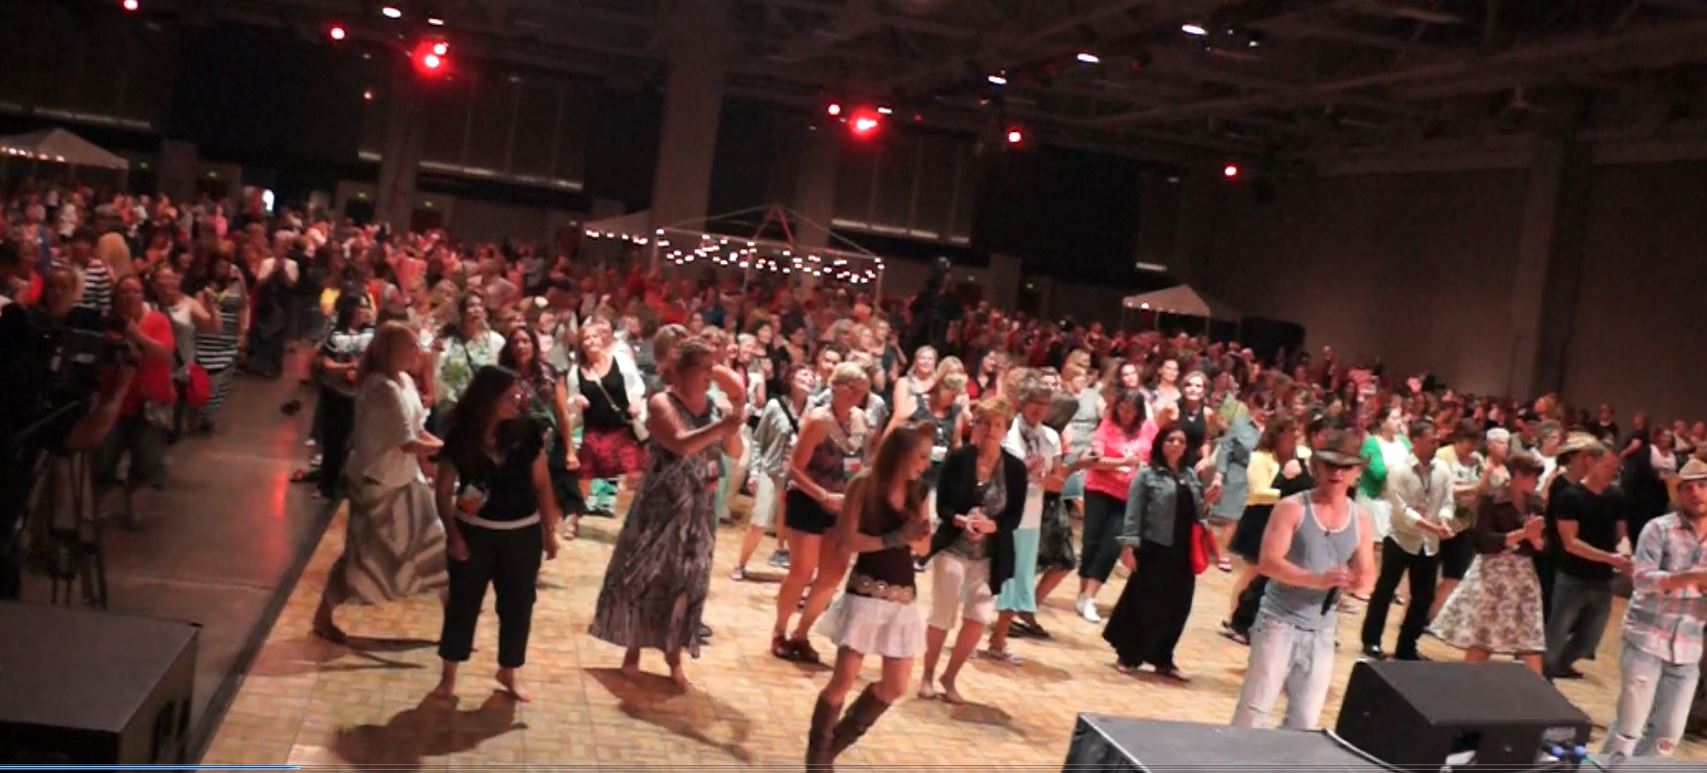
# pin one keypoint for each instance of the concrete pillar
(815, 190)
(1005, 276)
(1548, 277)
(698, 39)
(400, 151)
(1158, 218)
(179, 162)
(1195, 224)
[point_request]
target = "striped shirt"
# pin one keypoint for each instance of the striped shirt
(217, 350)
(97, 286)
(1667, 624)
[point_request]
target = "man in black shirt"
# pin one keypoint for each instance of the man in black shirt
(1589, 518)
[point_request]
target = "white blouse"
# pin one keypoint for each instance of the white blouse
(388, 414)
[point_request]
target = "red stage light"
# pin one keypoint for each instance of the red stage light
(1015, 136)
(834, 108)
(431, 58)
(864, 125)
(337, 32)
(1230, 171)
(131, 6)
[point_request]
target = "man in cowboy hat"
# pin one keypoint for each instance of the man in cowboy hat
(1317, 545)
(1568, 470)
(1588, 517)
(1663, 625)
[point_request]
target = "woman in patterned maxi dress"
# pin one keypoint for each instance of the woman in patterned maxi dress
(659, 574)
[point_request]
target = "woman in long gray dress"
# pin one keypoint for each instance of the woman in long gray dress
(660, 571)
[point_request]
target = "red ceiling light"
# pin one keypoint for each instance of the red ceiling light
(834, 109)
(864, 123)
(337, 32)
(1230, 171)
(431, 58)
(131, 6)
(1015, 136)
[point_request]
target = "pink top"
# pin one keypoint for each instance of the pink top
(1110, 442)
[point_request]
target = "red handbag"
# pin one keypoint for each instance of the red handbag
(198, 389)
(1200, 548)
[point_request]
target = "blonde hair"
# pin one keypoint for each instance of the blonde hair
(848, 373)
(388, 340)
(996, 408)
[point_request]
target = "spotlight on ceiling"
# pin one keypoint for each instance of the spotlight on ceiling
(1230, 171)
(337, 32)
(435, 21)
(391, 12)
(1015, 136)
(1087, 57)
(834, 109)
(131, 6)
(997, 79)
(1195, 30)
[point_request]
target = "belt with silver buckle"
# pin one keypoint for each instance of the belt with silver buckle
(863, 585)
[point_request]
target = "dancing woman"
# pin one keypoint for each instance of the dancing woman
(876, 616)
(830, 450)
(660, 571)
(395, 544)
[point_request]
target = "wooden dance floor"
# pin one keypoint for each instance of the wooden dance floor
(308, 702)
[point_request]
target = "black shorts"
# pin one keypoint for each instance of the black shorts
(1456, 555)
(803, 514)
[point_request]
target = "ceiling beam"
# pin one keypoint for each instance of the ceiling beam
(1303, 30)
(1656, 45)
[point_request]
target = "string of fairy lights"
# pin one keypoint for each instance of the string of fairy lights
(681, 247)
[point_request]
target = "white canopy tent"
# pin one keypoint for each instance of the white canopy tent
(1181, 300)
(59, 146)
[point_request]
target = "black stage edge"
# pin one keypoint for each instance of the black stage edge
(220, 702)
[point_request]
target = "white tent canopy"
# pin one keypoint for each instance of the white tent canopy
(61, 147)
(1181, 299)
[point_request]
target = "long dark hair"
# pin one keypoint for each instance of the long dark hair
(535, 370)
(1140, 410)
(1159, 457)
(464, 444)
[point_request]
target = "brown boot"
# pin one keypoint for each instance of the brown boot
(860, 717)
(818, 739)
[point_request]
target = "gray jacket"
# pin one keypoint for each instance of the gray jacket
(1151, 506)
(1232, 457)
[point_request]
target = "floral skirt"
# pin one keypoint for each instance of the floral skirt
(1497, 607)
(610, 452)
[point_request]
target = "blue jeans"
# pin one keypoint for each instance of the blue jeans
(1653, 705)
(1284, 656)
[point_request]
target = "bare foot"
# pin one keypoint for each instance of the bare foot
(927, 689)
(445, 691)
(507, 678)
(631, 664)
(950, 694)
(679, 676)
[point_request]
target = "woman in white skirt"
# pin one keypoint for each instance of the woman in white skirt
(1496, 609)
(876, 615)
(394, 545)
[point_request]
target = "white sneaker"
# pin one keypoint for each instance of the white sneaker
(1088, 610)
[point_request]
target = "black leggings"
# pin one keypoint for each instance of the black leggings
(337, 423)
(508, 560)
(1105, 517)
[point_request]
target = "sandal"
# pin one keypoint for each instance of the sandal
(1225, 564)
(1000, 656)
(1173, 674)
(1124, 669)
(780, 647)
(738, 574)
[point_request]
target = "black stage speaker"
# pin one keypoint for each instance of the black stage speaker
(82, 687)
(1416, 715)
(1105, 744)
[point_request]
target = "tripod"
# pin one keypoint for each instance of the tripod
(76, 563)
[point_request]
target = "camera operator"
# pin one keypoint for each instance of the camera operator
(147, 406)
(934, 309)
(49, 408)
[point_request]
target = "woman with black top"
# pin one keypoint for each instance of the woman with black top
(1164, 505)
(548, 404)
(940, 410)
(609, 448)
(659, 574)
(1194, 417)
(1496, 609)
(494, 497)
(980, 501)
(876, 616)
(830, 450)
(1276, 471)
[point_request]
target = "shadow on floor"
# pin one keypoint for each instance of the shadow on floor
(432, 728)
(313, 655)
(648, 698)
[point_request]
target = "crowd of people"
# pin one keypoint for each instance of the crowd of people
(476, 401)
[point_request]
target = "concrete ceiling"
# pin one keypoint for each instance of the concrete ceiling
(1286, 80)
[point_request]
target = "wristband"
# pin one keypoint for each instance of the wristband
(894, 539)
